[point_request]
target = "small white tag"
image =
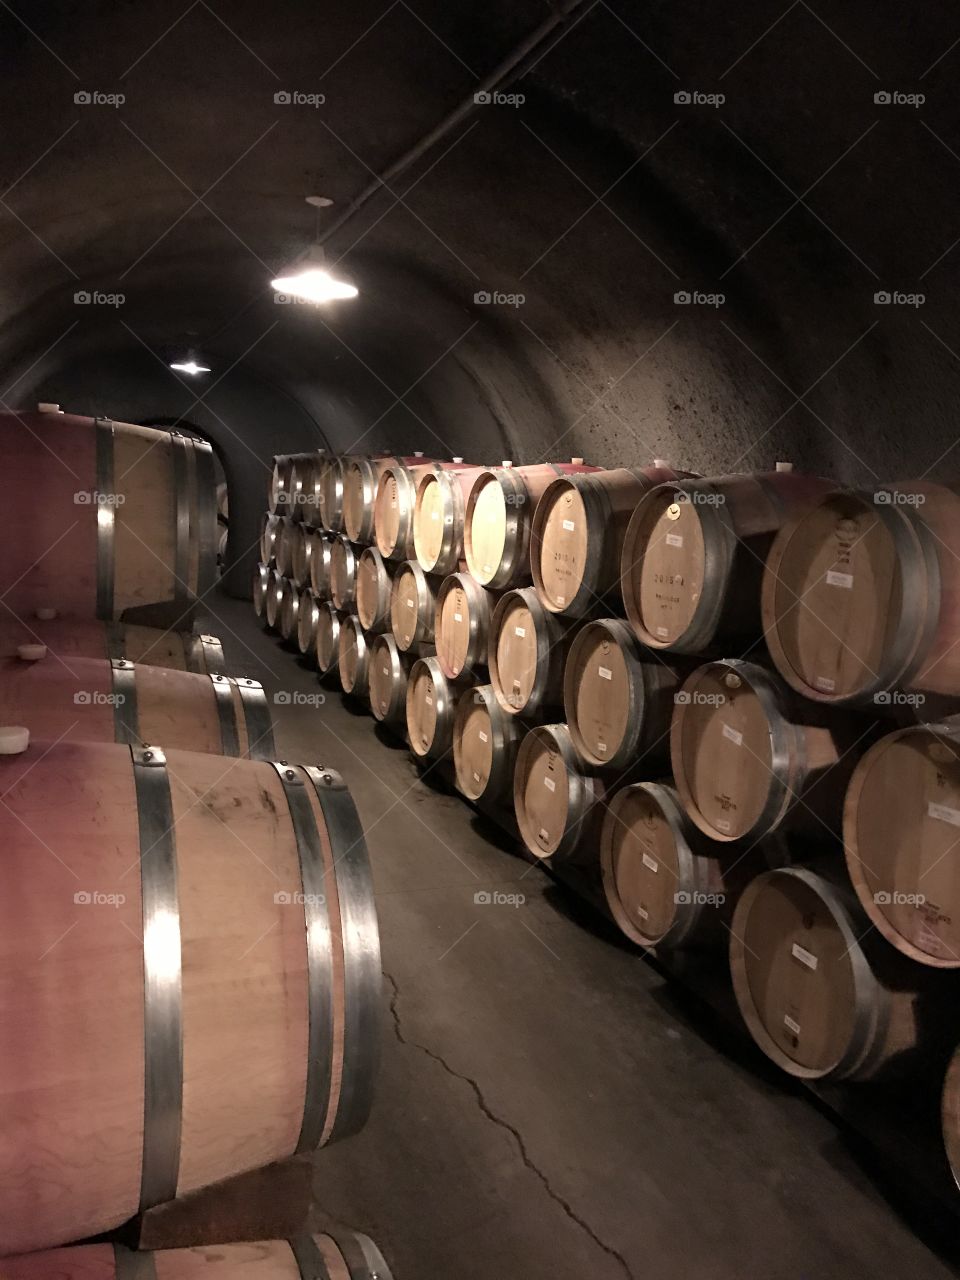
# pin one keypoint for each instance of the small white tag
(385, 670)
(434, 515)
(561, 599)
(476, 776)
(487, 568)
(604, 673)
(824, 683)
(662, 633)
(674, 540)
(804, 956)
(602, 748)
(722, 825)
(429, 699)
(544, 835)
(520, 631)
(732, 735)
(458, 617)
(944, 813)
(643, 913)
(789, 1023)
(409, 603)
(569, 526)
(550, 784)
(481, 735)
(835, 579)
(650, 863)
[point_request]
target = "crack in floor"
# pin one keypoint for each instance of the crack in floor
(504, 1124)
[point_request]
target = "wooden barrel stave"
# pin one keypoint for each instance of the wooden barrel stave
(223, 951)
(82, 638)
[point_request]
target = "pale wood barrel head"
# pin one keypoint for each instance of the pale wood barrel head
(601, 684)
(453, 629)
(328, 638)
(380, 676)
(428, 522)
(387, 513)
(368, 588)
(516, 654)
(562, 548)
(486, 538)
(902, 841)
(793, 974)
(641, 871)
(405, 607)
(473, 746)
(342, 569)
(541, 793)
(721, 752)
(836, 597)
(665, 566)
(348, 656)
(421, 709)
(353, 505)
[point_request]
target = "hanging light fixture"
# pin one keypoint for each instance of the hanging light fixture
(309, 277)
(190, 366)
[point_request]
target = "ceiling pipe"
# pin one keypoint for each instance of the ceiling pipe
(502, 74)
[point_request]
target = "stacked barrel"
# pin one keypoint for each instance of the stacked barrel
(715, 702)
(167, 884)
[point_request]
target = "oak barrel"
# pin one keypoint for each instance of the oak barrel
(336, 1254)
(527, 653)
(307, 477)
(267, 595)
(861, 595)
(269, 527)
(374, 583)
(82, 638)
(463, 613)
(486, 739)
(230, 915)
(327, 647)
(577, 537)
(285, 540)
(353, 657)
(901, 833)
(431, 701)
(813, 1000)
(394, 507)
(307, 617)
(321, 563)
(618, 697)
(413, 606)
(330, 496)
(302, 554)
(693, 556)
(748, 758)
(361, 483)
(388, 670)
(289, 609)
(127, 525)
(498, 516)
(559, 808)
(438, 517)
(114, 700)
(343, 572)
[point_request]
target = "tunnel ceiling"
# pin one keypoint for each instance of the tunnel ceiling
(598, 199)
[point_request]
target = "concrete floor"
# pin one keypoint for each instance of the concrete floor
(549, 1108)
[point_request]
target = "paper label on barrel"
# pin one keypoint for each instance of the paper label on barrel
(643, 913)
(482, 736)
(722, 824)
(561, 599)
(789, 1023)
(650, 863)
(604, 673)
(434, 515)
(385, 670)
(429, 699)
(488, 568)
(544, 834)
(662, 633)
(944, 813)
(476, 776)
(550, 784)
(520, 631)
(733, 735)
(826, 684)
(458, 617)
(569, 526)
(674, 539)
(409, 603)
(835, 579)
(804, 956)
(602, 748)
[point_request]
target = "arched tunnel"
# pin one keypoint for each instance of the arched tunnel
(724, 237)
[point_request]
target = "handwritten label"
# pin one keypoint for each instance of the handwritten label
(722, 825)
(826, 684)
(520, 631)
(482, 736)
(650, 863)
(804, 956)
(732, 735)
(458, 617)
(550, 784)
(789, 1023)
(409, 603)
(674, 540)
(944, 813)
(569, 526)
(835, 579)
(643, 913)
(662, 633)
(604, 673)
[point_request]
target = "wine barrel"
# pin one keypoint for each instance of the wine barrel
(321, 564)
(285, 542)
(817, 996)
(302, 554)
(485, 744)
(65, 638)
(127, 526)
(438, 517)
(285, 481)
(394, 506)
(343, 573)
(527, 652)
(353, 657)
(387, 672)
(559, 808)
(431, 700)
(374, 583)
(361, 484)
(307, 617)
(252, 981)
(463, 613)
(498, 516)
(327, 648)
(577, 537)
(113, 700)
(336, 1254)
(749, 759)
(269, 528)
(693, 557)
(861, 595)
(413, 606)
(307, 476)
(267, 594)
(331, 494)
(663, 881)
(289, 616)
(618, 698)
(901, 827)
